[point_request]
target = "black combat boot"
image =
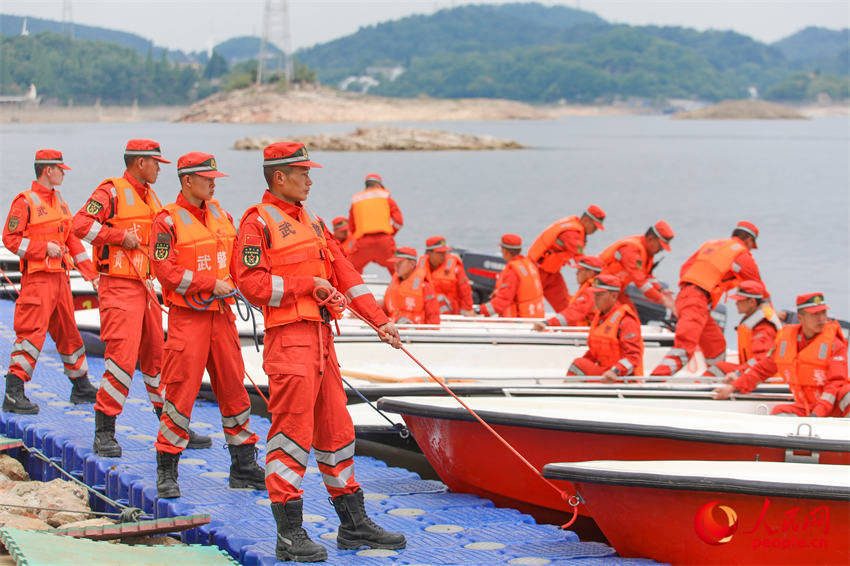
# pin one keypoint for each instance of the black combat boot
(356, 529)
(166, 475)
(104, 436)
(244, 470)
(196, 441)
(16, 401)
(292, 540)
(82, 391)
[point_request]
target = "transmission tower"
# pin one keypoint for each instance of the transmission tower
(275, 32)
(67, 19)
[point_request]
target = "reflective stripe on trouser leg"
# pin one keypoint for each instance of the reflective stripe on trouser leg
(585, 367)
(673, 361)
(153, 384)
(286, 462)
(173, 434)
(114, 388)
(75, 363)
(337, 466)
(236, 430)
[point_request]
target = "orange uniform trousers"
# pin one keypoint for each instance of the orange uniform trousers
(45, 305)
(307, 402)
(197, 340)
(695, 327)
(373, 248)
(589, 367)
(555, 290)
(131, 326)
(841, 408)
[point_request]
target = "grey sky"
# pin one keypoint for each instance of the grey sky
(193, 25)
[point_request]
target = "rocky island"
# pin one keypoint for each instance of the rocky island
(742, 110)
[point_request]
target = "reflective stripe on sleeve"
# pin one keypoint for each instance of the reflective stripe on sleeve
(277, 291)
(185, 281)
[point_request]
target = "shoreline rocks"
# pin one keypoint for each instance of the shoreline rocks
(743, 110)
(384, 138)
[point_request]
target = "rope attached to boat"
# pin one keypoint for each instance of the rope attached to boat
(338, 300)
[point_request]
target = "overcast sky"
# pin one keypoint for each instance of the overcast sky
(193, 25)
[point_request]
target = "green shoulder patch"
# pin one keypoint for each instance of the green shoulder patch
(13, 223)
(93, 207)
(161, 250)
(251, 256)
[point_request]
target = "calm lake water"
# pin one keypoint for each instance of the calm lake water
(792, 178)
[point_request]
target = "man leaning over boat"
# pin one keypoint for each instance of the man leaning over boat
(811, 357)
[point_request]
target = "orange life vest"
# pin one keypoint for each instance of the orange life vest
(444, 280)
(611, 258)
(548, 252)
(371, 211)
(603, 339)
(47, 223)
(135, 215)
(528, 302)
(201, 248)
(404, 301)
(712, 269)
(582, 288)
(297, 247)
(765, 312)
(805, 370)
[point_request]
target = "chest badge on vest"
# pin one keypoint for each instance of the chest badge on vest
(13, 223)
(251, 256)
(93, 207)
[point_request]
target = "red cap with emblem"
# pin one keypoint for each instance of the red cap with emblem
(50, 157)
(436, 244)
(606, 283)
(404, 253)
(664, 233)
(511, 242)
(287, 153)
(750, 229)
(339, 222)
(811, 302)
(590, 262)
(749, 289)
(597, 215)
(198, 163)
(144, 148)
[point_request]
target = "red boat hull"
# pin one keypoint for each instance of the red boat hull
(469, 459)
(697, 527)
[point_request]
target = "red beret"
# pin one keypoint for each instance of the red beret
(511, 242)
(198, 163)
(287, 153)
(50, 157)
(144, 148)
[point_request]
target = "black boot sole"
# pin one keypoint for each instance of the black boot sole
(107, 453)
(285, 556)
(83, 399)
(168, 494)
(19, 411)
(239, 483)
(200, 444)
(354, 544)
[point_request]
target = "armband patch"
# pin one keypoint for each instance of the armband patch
(161, 250)
(93, 207)
(13, 223)
(251, 256)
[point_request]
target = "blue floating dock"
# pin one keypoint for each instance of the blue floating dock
(441, 527)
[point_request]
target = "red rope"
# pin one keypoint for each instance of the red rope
(145, 280)
(9, 281)
(336, 299)
(256, 387)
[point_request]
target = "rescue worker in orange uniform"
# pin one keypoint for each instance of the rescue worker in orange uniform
(342, 234)
(716, 267)
(614, 342)
(38, 230)
(284, 254)
(117, 222)
(560, 244)
(756, 331)
(812, 358)
(410, 298)
(193, 245)
(631, 259)
(373, 220)
(518, 292)
(447, 274)
(581, 306)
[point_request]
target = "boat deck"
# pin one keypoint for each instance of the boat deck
(441, 527)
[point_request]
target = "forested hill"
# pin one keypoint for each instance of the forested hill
(542, 54)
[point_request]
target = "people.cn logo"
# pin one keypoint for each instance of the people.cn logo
(715, 524)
